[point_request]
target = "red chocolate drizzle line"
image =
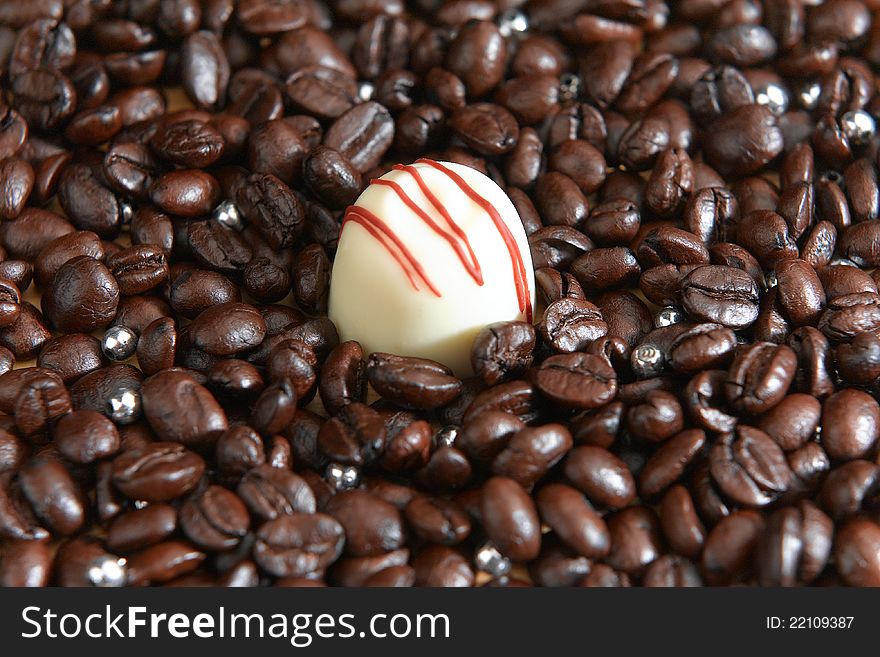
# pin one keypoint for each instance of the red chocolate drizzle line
(457, 239)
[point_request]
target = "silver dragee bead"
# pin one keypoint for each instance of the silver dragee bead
(569, 86)
(126, 212)
(858, 126)
(445, 436)
(342, 477)
(808, 96)
(668, 316)
(646, 361)
(511, 22)
(365, 90)
(119, 343)
(774, 96)
(124, 406)
(227, 214)
(107, 572)
(488, 559)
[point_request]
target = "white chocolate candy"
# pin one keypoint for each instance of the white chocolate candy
(430, 254)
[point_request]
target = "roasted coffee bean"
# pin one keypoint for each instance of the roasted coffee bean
(743, 140)
(412, 382)
(681, 526)
(850, 314)
(356, 435)
(16, 182)
(178, 408)
(730, 546)
(86, 436)
(141, 528)
(556, 246)
(760, 376)
(574, 520)
(437, 520)
(601, 476)
(721, 294)
(215, 518)
(157, 473)
(850, 424)
(855, 552)
(749, 467)
(670, 462)
(531, 452)
(439, 565)
(510, 519)
(26, 564)
(503, 351)
(477, 55)
(606, 268)
(163, 562)
(576, 380)
(88, 203)
(186, 193)
(298, 544)
(362, 135)
(487, 128)
(53, 494)
(793, 421)
(560, 201)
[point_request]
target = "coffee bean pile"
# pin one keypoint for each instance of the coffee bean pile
(696, 403)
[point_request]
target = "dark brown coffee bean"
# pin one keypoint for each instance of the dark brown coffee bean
(158, 473)
(744, 140)
(725, 295)
(681, 526)
(356, 435)
(412, 382)
(487, 128)
(503, 351)
(531, 452)
(635, 539)
(141, 528)
(187, 193)
(214, 519)
(362, 135)
(749, 467)
(574, 520)
(850, 424)
(855, 552)
(477, 55)
(850, 314)
(601, 476)
(510, 519)
(760, 377)
(580, 381)
(86, 436)
(178, 408)
(730, 546)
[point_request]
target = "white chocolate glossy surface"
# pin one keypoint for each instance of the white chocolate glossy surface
(373, 301)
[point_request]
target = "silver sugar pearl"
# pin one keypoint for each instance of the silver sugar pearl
(774, 96)
(858, 126)
(445, 436)
(808, 96)
(365, 90)
(124, 406)
(488, 559)
(126, 212)
(646, 361)
(107, 572)
(342, 477)
(227, 214)
(569, 86)
(141, 504)
(668, 316)
(119, 343)
(512, 21)
(770, 280)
